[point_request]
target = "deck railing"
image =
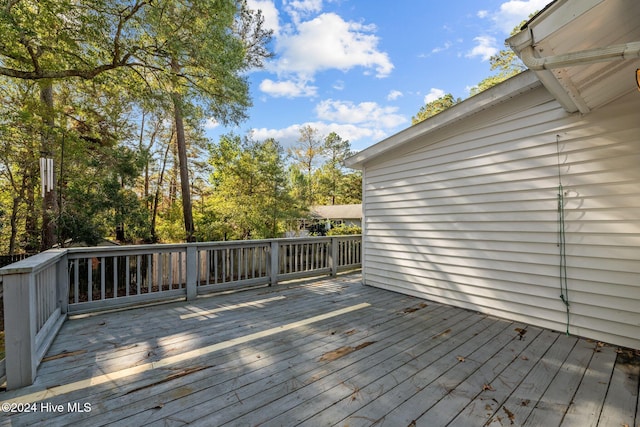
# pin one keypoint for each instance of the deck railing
(41, 290)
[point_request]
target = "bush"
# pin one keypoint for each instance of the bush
(343, 229)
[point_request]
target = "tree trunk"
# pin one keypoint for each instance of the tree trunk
(50, 200)
(182, 158)
(146, 160)
(156, 198)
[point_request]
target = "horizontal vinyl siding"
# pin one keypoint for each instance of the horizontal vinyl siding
(468, 216)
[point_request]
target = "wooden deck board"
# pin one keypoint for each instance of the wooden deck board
(241, 359)
(348, 376)
(428, 362)
(622, 396)
(308, 369)
(372, 386)
(522, 400)
(207, 393)
(554, 402)
(498, 355)
(588, 401)
(385, 384)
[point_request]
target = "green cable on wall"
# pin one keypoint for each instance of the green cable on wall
(562, 243)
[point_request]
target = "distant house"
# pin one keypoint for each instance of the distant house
(321, 219)
(338, 214)
(523, 201)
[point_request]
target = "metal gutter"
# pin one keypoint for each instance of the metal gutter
(619, 52)
(522, 44)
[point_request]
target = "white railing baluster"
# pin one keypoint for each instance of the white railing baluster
(138, 275)
(127, 271)
(90, 278)
(171, 270)
(149, 281)
(114, 263)
(76, 280)
(159, 269)
(102, 278)
(181, 271)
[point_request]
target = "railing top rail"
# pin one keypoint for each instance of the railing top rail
(166, 247)
(44, 259)
(34, 263)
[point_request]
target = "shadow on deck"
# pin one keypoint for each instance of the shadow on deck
(322, 352)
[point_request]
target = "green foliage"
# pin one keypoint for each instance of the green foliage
(506, 62)
(344, 229)
(250, 190)
(97, 196)
(18, 167)
(305, 156)
(331, 176)
(169, 227)
(129, 56)
(434, 107)
(317, 173)
(213, 40)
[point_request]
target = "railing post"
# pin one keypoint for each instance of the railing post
(275, 265)
(333, 258)
(20, 329)
(62, 279)
(192, 272)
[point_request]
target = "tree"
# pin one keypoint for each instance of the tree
(18, 166)
(350, 189)
(434, 107)
(305, 155)
(250, 197)
(332, 173)
(58, 39)
(196, 52)
(506, 62)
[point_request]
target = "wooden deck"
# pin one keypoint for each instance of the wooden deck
(324, 352)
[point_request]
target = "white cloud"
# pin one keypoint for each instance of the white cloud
(393, 95)
(351, 121)
(330, 42)
(485, 48)
(288, 136)
(211, 123)
(434, 94)
(444, 47)
(512, 12)
(288, 88)
(269, 12)
(509, 15)
(363, 113)
(299, 9)
(339, 85)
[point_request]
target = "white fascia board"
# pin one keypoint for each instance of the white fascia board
(504, 91)
(559, 15)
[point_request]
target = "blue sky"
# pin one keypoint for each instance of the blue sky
(363, 68)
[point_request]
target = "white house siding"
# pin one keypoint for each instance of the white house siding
(468, 216)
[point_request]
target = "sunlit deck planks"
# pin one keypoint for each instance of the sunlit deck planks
(324, 352)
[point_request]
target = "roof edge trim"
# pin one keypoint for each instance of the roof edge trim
(502, 92)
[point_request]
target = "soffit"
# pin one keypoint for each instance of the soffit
(567, 27)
